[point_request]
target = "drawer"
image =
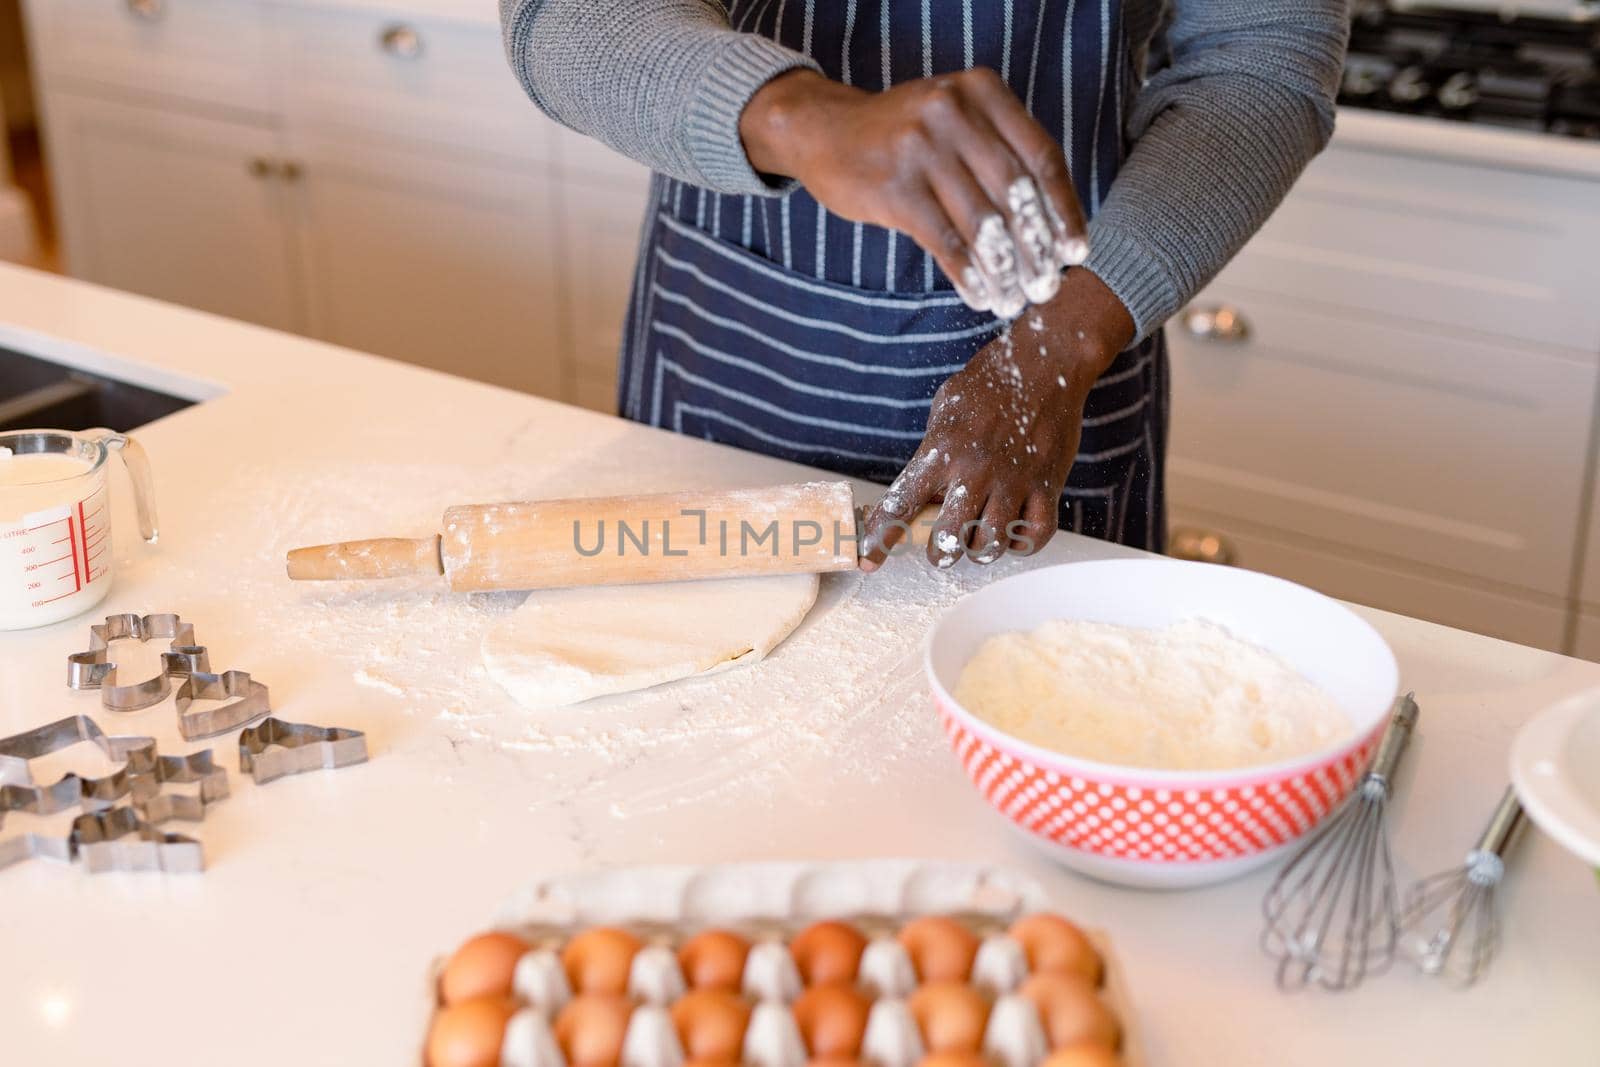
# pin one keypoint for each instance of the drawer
(210, 52)
(600, 232)
(1387, 584)
(1498, 251)
(1451, 450)
(372, 75)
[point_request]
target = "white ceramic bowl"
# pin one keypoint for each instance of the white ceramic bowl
(1162, 828)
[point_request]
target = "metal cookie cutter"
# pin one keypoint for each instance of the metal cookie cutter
(137, 754)
(156, 806)
(117, 839)
(249, 701)
(37, 800)
(92, 670)
(274, 749)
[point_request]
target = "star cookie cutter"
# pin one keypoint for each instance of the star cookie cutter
(248, 702)
(155, 805)
(119, 839)
(29, 846)
(93, 669)
(274, 749)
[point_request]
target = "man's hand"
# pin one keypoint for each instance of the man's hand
(954, 161)
(1003, 432)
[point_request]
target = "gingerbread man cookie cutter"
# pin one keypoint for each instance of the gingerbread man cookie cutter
(95, 670)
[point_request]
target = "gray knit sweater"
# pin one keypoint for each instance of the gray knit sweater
(1220, 131)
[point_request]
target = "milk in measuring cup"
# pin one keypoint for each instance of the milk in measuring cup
(55, 538)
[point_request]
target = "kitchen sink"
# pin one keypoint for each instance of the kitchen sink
(36, 393)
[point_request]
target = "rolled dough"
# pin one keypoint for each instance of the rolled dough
(563, 646)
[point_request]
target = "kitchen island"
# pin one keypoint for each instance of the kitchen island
(308, 938)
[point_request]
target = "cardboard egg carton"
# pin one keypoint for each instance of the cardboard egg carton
(671, 903)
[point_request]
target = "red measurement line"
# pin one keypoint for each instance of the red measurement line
(71, 555)
(93, 513)
(90, 542)
(65, 518)
(53, 599)
(82, 523)
(100, 552)
(72, 535)
(61, 540)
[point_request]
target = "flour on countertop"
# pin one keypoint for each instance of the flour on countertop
(842, 699)
(1190, 696)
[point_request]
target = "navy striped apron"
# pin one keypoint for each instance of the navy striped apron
(774, 325)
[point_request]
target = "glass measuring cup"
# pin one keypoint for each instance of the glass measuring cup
(55, 521)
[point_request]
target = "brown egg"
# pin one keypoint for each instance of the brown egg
(591, 1027)
(469, 1033)
(941, 949)
(598, 959)
(1072, 1011)
(827, 952)
(1086, 1054)
(832, 1020)
(954, 1059)
(714, 959)
(711, 1024)
(1054, 944)
(951, 1016)
(482, 967)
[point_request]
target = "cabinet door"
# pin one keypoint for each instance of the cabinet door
(1449, 450)
(173, 206)
(601, 218)
(435, 261)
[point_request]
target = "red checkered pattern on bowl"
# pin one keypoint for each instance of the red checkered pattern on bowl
(1150, 823)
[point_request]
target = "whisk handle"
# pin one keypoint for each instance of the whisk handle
(1503, 825)
(1395, 738)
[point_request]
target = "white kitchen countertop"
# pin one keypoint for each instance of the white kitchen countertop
(308, 939)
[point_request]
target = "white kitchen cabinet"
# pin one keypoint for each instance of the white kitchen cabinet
(602, 241)
(437, 261)
(1397, 585)
(170, 51)
(1461, 451)
(175, 206)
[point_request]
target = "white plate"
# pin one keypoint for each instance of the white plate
(1555, 766)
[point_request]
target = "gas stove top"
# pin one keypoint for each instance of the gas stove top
(1529, 73)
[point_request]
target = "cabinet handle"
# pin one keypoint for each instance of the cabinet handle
(148, 10)
(401, 41)
(1217, 322)
(259, 167)
(1201, 546)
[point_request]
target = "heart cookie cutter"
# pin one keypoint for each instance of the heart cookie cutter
(94, 669)
(248, 696)
(273, 749)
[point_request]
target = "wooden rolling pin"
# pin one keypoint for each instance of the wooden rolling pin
(614, 540)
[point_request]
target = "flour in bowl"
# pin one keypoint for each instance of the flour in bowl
(1188, 697)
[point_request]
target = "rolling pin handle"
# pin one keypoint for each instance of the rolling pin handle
(384, 557)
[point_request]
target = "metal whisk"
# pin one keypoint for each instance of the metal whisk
(1333, 913)
(1450, 921)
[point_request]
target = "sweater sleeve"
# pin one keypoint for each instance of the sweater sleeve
(661, 81)
(1219, 135)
